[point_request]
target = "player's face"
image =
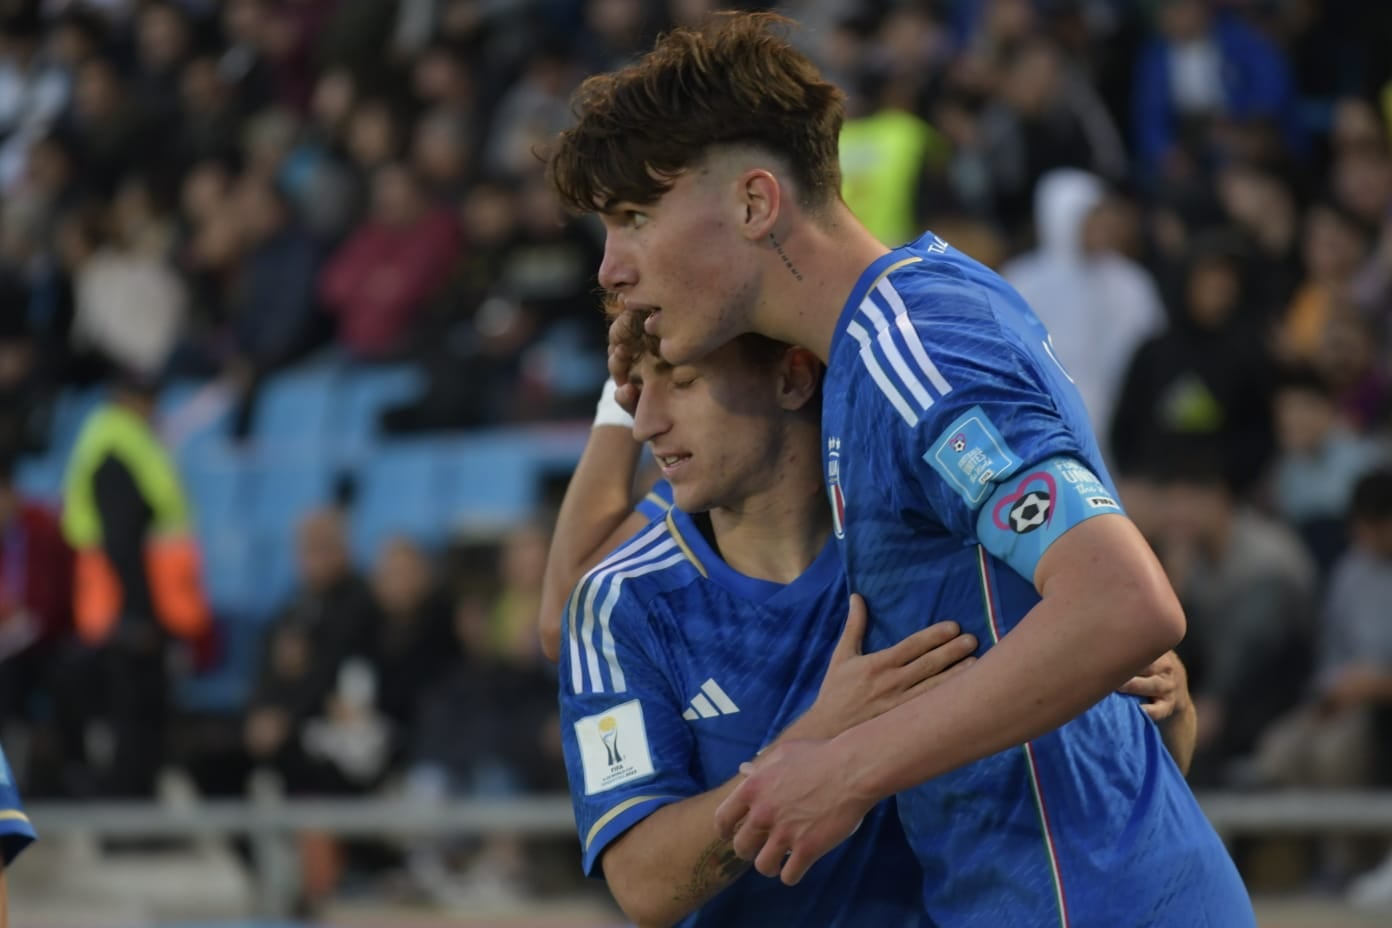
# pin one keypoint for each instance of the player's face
(683, 250)
(712, 426)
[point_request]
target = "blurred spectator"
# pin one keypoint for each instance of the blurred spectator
(534, 110)
(24, 398)
(1261, 209)
(208, 121)
(306, 683)
(1353, 358)
(1319, 460)
(1043, 117)
(1202, 82)
(1248, 588)
(378, 282)
(414, 643)
(137, 584)
(1331, 739)
(1336, 242)
(33, 92)
(440, 154)
(110, 126)
(884, 155)
(129, 304)
(36, 576)
(1207, 375)
(163, 44)
(273, 307)
(1098, 305)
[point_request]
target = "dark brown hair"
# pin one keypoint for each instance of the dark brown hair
(735, 81)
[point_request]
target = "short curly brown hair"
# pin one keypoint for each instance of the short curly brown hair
(735, 81)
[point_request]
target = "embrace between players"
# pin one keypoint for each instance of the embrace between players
(724, 700)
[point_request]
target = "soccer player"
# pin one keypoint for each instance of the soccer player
(15, 831)
(965, 481)
(706, 638)
(598, 499)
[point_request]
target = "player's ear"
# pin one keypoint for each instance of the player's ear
(800, 377)
(763, 200)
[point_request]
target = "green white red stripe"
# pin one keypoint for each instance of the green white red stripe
(993, 620)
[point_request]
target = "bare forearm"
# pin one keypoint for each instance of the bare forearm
(596, 505)
(1180, 732)
(673, 862)
(1062, 657)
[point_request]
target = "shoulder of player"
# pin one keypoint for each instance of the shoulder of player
(637, 576)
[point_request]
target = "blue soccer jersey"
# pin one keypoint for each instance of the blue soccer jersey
(957, 450)
(15, 831)
(657, 501)
(675, 669)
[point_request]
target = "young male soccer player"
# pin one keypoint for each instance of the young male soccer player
(15, 831)
(706, 638)
(964, 479)
(598, 499)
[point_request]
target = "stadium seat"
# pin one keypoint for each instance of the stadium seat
(226, 687)
(295, 406)
(364, 393)
(488, 483)
(400, 491)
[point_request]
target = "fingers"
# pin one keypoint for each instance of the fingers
(798, 863)
(938, 660)
(938, 679)
(731, 813)
(1148, 687)
(1158, 711)
(853, 635)
(769, 861)
(920, 643)
(627, 397)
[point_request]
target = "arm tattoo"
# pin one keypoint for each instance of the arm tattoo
(787, 262)
(716, 868)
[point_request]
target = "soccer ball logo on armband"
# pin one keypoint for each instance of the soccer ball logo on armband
(1030, 512)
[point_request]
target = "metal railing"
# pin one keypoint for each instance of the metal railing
(270, 820)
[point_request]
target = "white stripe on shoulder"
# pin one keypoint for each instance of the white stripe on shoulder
(623, 554)
(911, 336)
(606, 611)
(877, 373)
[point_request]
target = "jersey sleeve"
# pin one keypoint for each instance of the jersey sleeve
(627, 750)
(998, 453)
(16, 832)
(658, 500)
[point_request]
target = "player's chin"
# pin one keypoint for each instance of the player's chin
(690, 497)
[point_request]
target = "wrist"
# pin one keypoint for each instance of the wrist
(860, 771)
(608, 411)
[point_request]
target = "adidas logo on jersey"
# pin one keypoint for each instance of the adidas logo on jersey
(709, 703)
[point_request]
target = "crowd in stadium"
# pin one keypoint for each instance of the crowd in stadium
(203, 202)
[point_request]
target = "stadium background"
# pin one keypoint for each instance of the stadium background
(316, 233)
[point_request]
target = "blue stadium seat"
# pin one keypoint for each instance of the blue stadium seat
(363, 395)
(488, 483)
(41, 477)
(295, 406)
(400, 491)
(219, 490)
(226, 687)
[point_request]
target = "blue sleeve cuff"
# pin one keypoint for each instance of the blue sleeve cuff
(16, 833)
(615, 822)
(1025, 515)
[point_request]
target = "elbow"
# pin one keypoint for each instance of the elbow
(550, 635)
(641, 912)
(1160, 622)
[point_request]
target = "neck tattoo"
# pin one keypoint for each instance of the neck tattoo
(787, 262)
